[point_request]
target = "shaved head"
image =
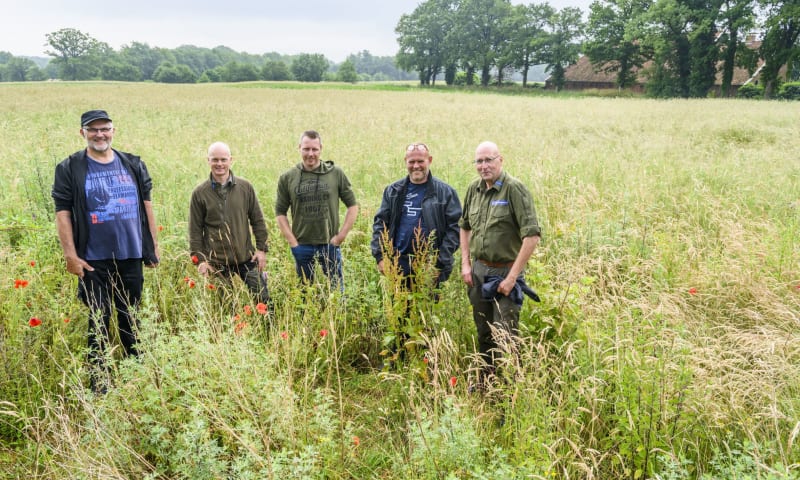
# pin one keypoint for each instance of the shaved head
(219, 147)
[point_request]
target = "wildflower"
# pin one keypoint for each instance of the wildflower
(239, 327)
(195, 260)
(284, 335)
(211, 286)
(33, 263)
(261, 308)
(453, 381)
(425, 360)
(34, 322)
(323, 333)
(356, 441)
(66, 320)
(20, 283)
(186, 279)
(248, 310)
(692, 291)
(161, 228)
(191, 284)
(797, 287)
(236, 317)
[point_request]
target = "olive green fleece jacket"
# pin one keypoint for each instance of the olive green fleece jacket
(220, 219)
(313, 197)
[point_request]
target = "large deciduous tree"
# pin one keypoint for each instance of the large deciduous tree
(613, 46)
(424, 39)
(780, 45)
(527, 27)
(73, 51)
(562, 46)
(736, 17)
(484, 34)
(308, 67)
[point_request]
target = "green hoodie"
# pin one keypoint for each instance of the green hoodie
(313, 197)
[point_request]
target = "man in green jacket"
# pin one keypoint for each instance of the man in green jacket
(499, 233)
(222, 212)
(312, 190)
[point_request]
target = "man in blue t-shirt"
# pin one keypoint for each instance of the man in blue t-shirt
(418, 214)
(107, 230)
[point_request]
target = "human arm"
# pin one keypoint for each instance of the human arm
(466, 265)
(526, 250)
(350, 217)
(151, 221)
(259, 227)
(75, 264)
(286, 230)
(450, 234)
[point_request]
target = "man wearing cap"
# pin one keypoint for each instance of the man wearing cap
(107, 230)
(222, 212)
(499, 233)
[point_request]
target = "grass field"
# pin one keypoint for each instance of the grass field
(666, 345)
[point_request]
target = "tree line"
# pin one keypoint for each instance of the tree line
(78, 56)
(683, 41)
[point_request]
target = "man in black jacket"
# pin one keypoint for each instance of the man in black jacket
(415, 209)
(107, 230)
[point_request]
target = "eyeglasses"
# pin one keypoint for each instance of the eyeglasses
(97, 130)
(481, 161)
(417, 146)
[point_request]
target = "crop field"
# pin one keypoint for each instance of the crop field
(666, 345)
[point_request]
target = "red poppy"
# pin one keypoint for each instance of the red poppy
(33, 263)
(453, 381)
(211, 286)
(692, 291)
(248, 310)
(34, 322)
(191, 283)
(236, 317)
(66, 319)
(20, 283)
(425, 360)
(284, 335)
(195, 260)
(161, 228)
(323, 333)
(261, 308)
(239, 327)
(356, 441)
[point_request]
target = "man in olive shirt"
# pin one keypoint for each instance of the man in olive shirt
(499, 233)
(222, 212)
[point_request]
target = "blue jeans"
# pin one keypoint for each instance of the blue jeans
(329, 258)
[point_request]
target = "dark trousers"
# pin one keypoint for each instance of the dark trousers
(117, 285)
(501, 314)
(251, 276)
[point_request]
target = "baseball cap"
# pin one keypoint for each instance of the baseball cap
(92, 115)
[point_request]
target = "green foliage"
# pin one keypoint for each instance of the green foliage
(168, 72)
(74, 52)
(750, 91)
(347, 72)
(790, 91)
(309, 67)
(276, 71)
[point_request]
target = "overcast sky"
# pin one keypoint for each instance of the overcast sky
(333, 28)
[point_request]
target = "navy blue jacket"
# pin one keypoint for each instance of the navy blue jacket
(69, 194)
(441, 210)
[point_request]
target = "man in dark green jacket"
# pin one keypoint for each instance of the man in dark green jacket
(222, 211)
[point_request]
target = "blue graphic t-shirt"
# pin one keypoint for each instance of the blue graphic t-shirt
(411, 218)
(112, 202)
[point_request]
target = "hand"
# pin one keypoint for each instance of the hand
(336, 240)
(380, 267)
(158, 259)
(77, 265)
(466, 274)
(204, 269)
(506, 286)
(260, 258)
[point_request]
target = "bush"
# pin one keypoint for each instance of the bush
(790, 91)
(750, 91)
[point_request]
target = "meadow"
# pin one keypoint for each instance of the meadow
(666, 345)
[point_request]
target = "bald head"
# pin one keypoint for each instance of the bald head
(488, 162)
(219, 148)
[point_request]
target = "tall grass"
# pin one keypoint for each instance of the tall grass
(665, 346)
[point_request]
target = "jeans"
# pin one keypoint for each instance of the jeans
(117, 284)
(328, 256)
